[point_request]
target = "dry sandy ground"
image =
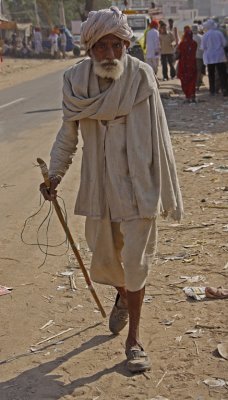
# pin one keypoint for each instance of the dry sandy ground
(82, 360)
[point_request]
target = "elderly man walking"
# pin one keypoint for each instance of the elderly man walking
(128, 174)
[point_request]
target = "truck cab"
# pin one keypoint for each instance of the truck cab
(138, 20)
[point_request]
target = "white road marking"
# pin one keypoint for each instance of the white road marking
(12, 102)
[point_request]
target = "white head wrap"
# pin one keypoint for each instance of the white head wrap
(210, 24)
(103, 22)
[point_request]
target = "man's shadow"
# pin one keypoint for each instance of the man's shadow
(38, 384)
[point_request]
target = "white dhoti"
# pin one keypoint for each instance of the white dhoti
(122, 251)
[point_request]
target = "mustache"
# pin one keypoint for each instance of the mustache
(107, 63)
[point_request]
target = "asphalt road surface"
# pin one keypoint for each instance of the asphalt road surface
(30, 105)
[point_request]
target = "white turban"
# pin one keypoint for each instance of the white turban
(103, 22)
(210, 24)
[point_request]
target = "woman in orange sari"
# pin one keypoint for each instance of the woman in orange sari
(187, 71)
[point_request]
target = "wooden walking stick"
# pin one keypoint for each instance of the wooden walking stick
(44, 171)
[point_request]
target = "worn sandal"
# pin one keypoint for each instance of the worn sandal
(137, 359)
(119, 317)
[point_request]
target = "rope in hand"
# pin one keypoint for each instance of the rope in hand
(46, 222)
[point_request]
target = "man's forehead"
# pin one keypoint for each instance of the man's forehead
(109, 38)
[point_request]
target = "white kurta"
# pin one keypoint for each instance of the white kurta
(152, 44)
(213, 43)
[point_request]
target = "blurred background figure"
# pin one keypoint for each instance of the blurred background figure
(38, 40)
(213, 46)
(197, 37)
(6, 48)
(173, 30)
(153, 46)
(62, 42)
(167, 52)
(187, 71)
(53, 38)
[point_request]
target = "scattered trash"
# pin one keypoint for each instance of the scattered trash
(5, 290)
(67, 273)
(223, 350)
(221, 168)
(197, 293)
(225, 228)
(197, 167)
(200, 139)
(193, 279)
(147, 299)
(215, 382)
(194, 333)
(179, 256)
(167, 322)
(226, 266)
(159, 398)
(178, 339)
(61, 287)
(200, 293)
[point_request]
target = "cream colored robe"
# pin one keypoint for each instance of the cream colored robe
(150, 180)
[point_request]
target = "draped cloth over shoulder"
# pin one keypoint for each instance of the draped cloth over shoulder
(103, 22)
(150, 156)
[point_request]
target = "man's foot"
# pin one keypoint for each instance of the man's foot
(137, 359)
(119, 316)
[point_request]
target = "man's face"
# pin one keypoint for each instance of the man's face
(108, 55)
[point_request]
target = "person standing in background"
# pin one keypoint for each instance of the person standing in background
(167, 52)
(53, 38)
(153, 46)
(187, 65)
(197, 37)
(63, 42)
(38, 40)
(213, 46)
(173, 30)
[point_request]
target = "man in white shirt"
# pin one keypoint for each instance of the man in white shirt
(153, 46)
(197, 37)
(213, 43)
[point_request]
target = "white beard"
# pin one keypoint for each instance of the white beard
(109, 69)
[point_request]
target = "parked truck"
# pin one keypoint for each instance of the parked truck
(138, 20)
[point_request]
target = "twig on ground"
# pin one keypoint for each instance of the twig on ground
(52, 337)
(161, 378)
(197, 349)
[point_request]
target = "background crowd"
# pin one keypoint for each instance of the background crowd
(54, 45)
(202, 49)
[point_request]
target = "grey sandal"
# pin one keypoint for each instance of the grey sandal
(137, 359)
(119, 317)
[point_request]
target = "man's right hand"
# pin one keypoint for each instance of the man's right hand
(50, 193)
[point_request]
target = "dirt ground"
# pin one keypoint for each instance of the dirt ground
(54, 342)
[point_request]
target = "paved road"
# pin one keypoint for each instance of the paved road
(30, 105)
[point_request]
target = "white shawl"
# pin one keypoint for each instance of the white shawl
(156, 188)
